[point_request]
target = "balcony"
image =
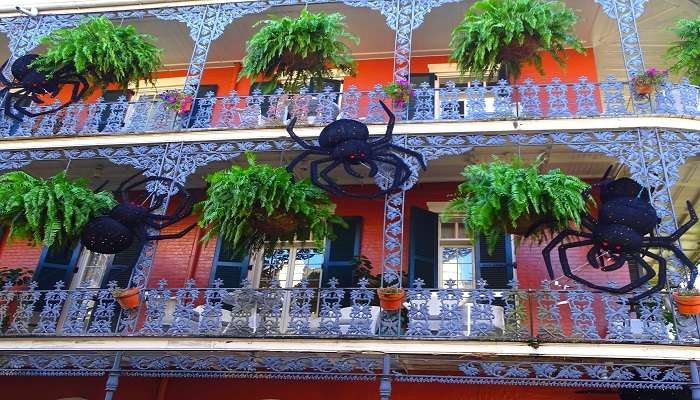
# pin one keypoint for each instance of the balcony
(476, 102)
(531, 316)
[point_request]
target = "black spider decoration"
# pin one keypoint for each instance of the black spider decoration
(622, 232)
(114, 232)
(32, 84)
(346, 142)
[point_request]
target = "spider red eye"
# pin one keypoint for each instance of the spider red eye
(605, 244)
(618, 247)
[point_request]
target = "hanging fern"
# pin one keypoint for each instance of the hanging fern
(686, 51)
(105, 53)
(509, 33)
(495, 196)
(52, 212)
(259, 206)
(295, 50)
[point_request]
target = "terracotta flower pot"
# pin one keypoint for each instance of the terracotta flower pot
(643, 88)
(129, 298)
(391, 299)
(688, 305)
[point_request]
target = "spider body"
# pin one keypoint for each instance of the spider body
(115, 232)
(620, 234)
(29, 85)
(347, 143)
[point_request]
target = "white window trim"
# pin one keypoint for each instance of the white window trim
(441, 208)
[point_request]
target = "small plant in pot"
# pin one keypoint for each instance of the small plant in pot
(687, 301)
(400, 93)
(390, 298)
(685, 52)
(259, 206)
(127, 298)
(103, 52)
(51, 212)
(509, 33)
(501, 197)
(646, 82)
(293, 51)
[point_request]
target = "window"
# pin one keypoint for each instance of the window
(456, 255)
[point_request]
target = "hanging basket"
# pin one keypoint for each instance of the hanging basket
(516, 52)
(129, 298)
(523, 224)
(280, 224)
(687, 305)
(391, 299)
(296, 62)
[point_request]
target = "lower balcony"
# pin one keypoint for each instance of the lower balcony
(482, 314)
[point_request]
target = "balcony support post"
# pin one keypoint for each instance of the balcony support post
(694, 381)
(626, 12)
(113, 377)
(385, 381)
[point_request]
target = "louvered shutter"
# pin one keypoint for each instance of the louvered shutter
(496, 268)
(230, 265)
(55, 265)
(341, 253)
(423, 247)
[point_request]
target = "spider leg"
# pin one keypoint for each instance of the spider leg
(593, 256)
(301, 142)
(410, 152)
(3, 78)
(388, 136)
(675, 236)
(401, 171)
(681, 257)
(301, 156)
(348, 168)
(334, 187)
(660, 283)
(172, 235)
(8, 105)
(121, 189)
(547, 251)
(316, 179)
(619, 263)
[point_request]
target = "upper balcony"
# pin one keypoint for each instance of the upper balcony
(593, 85)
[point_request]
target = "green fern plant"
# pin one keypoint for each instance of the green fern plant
(498, 197)
(686, 51)
(296, 50)
(259, 206)
(103, 52)
(49, 211)
(509, 33)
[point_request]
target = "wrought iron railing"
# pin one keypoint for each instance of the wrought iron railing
(542, 315)
(471, 103)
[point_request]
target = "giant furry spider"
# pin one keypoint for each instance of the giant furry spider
(114, 232)
(346, 142)
(32, 84)
(622, 232)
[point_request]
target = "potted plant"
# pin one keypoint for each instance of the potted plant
(259, 206)
(399, 92)
(510, 33)
(293, 51)
(644, 83)
(51, 211)
(127, 298)
(501, 197)
(390, 298)
(176, 101)
(687, 301)
(684, 52)
(102, 52)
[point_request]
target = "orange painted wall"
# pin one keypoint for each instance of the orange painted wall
(92, 388)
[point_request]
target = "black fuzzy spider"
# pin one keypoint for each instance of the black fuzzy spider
(114, 232)
(622, 232)
(32, 84)
(346, 142)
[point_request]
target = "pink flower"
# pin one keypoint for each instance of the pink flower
(651, 71)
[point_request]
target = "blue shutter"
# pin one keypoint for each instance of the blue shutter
(196, 105)
(341, 254)
(230, 265)
(423, 247)
(55, 264)
(123, 265)
(496, 268)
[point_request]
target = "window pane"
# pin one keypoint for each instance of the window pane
(275, 266)
(447, 230)
(307, 264)
(458, 265)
